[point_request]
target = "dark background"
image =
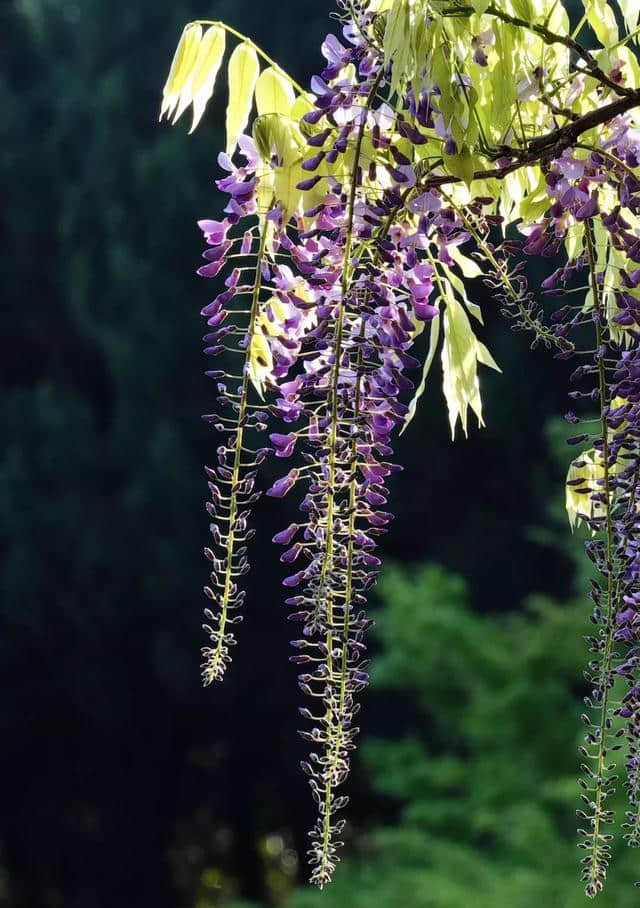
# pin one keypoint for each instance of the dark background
(121, 779)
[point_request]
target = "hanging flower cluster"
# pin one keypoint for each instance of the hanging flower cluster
(354, 222)
(588, 196)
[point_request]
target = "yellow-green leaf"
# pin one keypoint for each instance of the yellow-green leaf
(602, 20)
(588, 469)
(524, 9)
(485, 357)
(286, 188)
(274, 93)
(434, 334)
(461, 165)
(461, 353)
(631, 12)
(181, 68)
(243, 75)
(260, 365)
(502, 79)
(279, 135)
(469, 268)
(205, 71)
(302, 105)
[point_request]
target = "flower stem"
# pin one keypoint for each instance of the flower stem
(596, 871)
(214, 666)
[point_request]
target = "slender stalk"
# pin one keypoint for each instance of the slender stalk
(546, 336)
(214, 665)
(327, 563)
(594, 877)
(610, 157)
(246, 40)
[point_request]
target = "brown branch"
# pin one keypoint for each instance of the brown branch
(550, 145)
(567, 135)
(549, 37)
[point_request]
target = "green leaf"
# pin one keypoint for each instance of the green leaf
(469, 268)
(440, 72)
(276, 134)
(459, 286)
(205, 72)
(602, 20)
(407, 42)
(461, 353)
(285, 188)
(502, 79)
(302, 105)
(461, 165)
(524, 9)
(274, 93)
(631, 13)
(396, 34)
(181, 68)
(260, 360)
(243, 75)
(590, 472)
(434, 334)
(486, 358)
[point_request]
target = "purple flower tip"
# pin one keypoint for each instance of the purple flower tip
(283, 444)
(284, 537)
(281, 486)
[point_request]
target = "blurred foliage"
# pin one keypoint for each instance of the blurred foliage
(109, 745)
(123, 782)
(482, 767)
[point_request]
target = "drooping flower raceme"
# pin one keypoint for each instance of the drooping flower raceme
(356, 216)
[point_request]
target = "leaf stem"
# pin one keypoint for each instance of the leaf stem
(246, 40)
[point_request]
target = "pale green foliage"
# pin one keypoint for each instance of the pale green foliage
(631, 13)
(434, 335)
(181, 69)
(586, 470)
(461, 353)
(243, 75)
(482, 108)
(483, 799)
(602, 20)
(274, 93)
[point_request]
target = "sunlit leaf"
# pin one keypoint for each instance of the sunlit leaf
(461, 353)
(588, 471)
(524, 9)
(286, 188)
(602, 20)
(260, 359)
(459, 285)
(277, 135)
(205, 71)
(243, 75)
(434, 334)
(631, 12)
(181, 68)
(461, 165)
(274, 93)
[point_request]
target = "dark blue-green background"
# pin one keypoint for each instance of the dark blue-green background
(122, 782)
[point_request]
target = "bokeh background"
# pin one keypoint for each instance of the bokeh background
(124, 783)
